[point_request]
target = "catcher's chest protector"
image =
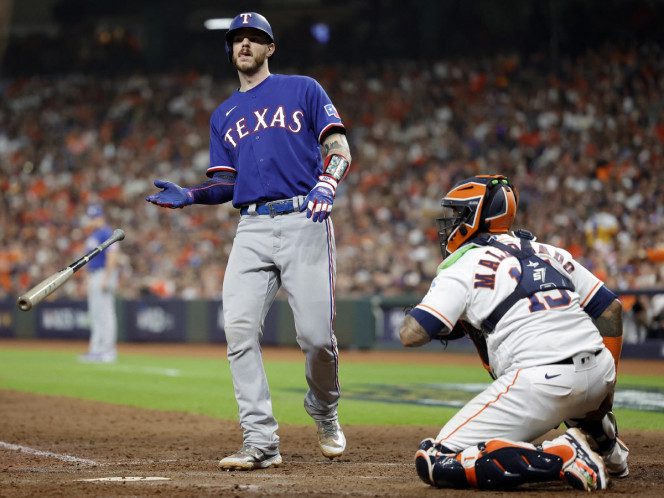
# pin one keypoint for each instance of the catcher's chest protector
(537, 275)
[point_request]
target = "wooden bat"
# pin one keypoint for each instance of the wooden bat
(47, 286)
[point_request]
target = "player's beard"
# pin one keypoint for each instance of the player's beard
(250, 67)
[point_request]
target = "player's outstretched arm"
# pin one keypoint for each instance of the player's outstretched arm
(217, 190)
(337, 162)
(171, 196)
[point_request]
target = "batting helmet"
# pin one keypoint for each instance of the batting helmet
(481, 204)
(247, 20)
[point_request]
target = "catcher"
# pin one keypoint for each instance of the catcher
(549, 333)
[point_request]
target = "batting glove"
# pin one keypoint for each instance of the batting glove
(173, 196)
(319, 201)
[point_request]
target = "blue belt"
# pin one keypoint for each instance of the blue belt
(273, 208)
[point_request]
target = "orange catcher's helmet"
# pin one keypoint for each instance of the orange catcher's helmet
(481, 204)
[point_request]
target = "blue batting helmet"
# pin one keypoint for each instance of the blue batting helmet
(94, 211)
(247, 20)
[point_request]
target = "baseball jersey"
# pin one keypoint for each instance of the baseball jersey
(270, 135)
(96, 238)
(548, 327)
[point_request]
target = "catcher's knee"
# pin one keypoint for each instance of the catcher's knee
(495, 464)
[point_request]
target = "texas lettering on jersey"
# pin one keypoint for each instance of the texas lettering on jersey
(262, 120)
(269, 137)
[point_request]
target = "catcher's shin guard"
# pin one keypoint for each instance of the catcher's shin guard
(496, 464)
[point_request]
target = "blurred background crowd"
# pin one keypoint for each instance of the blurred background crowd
(581, 135)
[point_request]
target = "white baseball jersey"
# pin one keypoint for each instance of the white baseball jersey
(544, 329)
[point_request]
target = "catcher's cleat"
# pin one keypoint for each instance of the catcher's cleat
(250, 458)
(582, 468)
(331, 438)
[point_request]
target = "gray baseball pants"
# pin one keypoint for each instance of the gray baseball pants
(294, 252)
(101, 312)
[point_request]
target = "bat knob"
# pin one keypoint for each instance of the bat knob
(118, 234)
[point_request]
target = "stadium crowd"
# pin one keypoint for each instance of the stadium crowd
(583, 142)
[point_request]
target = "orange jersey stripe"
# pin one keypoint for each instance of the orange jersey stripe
(592, 292)
(438, 314)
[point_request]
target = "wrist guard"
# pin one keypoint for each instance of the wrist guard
(336, 167)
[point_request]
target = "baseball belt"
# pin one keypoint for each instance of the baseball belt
(274, 208)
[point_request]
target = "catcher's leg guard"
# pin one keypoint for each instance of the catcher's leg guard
(501, 463)
(496, 464)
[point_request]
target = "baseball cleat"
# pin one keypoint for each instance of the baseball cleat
(98, 358)
(250, 458)
(586, 470)
(331, 438)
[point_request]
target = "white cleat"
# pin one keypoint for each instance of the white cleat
(586, 471)
(250, 458)
(331, 438)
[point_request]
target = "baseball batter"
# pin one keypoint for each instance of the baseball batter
(265, 156)
(548, 331)
(102, 284)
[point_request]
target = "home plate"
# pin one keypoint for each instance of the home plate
(125, 479)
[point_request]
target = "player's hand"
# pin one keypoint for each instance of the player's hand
(319, 201)
(172, 196)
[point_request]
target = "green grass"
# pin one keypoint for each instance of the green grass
(203, 386)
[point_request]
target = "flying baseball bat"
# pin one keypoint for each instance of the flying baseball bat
(47, 286)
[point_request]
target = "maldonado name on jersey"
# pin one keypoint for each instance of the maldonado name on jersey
(264, 119)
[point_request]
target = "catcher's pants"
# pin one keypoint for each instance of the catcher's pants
(524, 404)
(292, 251)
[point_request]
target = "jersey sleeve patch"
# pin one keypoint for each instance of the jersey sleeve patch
(331, 111)
(599, 302)
(430, 323)
(214, 169)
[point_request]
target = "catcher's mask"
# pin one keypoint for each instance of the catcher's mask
(481, 204)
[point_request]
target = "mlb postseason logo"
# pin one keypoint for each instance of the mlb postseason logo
(331, 111)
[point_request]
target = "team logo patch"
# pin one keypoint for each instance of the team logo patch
(331, 111)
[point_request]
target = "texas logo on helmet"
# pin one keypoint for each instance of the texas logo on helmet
(252, 20)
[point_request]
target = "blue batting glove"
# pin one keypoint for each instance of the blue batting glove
(319, 201)
(173, 196)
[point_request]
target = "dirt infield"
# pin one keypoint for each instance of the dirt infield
(49, 444)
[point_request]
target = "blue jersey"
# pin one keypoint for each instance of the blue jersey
(270, 136)
(96, 238)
